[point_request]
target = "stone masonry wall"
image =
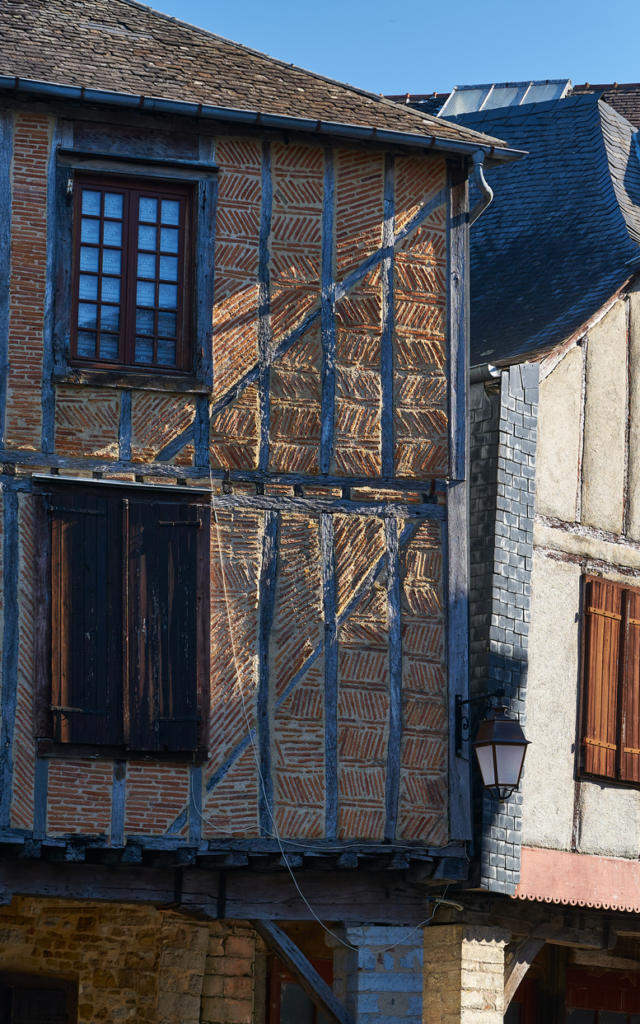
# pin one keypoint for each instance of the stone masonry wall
(380, 980)
(463, 975)
(503, 450)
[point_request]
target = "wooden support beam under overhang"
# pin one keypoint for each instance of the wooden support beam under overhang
(310, 981)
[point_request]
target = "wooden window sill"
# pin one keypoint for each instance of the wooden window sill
(133, 380)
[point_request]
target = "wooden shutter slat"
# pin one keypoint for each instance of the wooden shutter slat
(600, 679)
(163, 625)
(630, 691)
(85, 674)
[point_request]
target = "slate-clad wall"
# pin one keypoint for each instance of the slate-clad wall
(329, 360)
(503, 427)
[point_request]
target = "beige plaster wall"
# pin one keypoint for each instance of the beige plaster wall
(605, 422)
(552, 688)
(559, 436)
(634, 410)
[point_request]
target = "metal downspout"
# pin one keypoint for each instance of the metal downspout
(483, 185)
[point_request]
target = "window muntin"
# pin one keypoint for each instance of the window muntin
(131, 274)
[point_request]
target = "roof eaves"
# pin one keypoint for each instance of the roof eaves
(495, 151)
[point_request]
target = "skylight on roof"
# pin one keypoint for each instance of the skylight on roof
(466, 99)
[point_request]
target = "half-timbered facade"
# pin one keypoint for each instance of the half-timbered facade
(232, 418)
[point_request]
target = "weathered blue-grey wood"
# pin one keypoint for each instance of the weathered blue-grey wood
(40, 797)
(457, 333)
(386, 341)
(266, 609)
(205, 269)
(315, 506)
(264, 306)
(201, 433)
(11, 639)
(124, 427)
(328, 316)
(175, 447)
(6, 156)
(457, 523)
(195, 803)
(394, 626)
(118, 803)
(330, 674)
(237, 752)
(305, 974)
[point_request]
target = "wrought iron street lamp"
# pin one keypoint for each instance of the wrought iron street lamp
(500, 746)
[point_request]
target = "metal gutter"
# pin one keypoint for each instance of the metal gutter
(150, 104)
(483, 185)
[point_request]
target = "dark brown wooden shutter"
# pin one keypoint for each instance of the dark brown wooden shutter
(603, 618)
(630, 689)
(166, 544)
(85, 619)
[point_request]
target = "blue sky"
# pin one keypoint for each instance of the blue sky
(426, 45)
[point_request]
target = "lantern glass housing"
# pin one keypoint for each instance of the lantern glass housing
(500, 746)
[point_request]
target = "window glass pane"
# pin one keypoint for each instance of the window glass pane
(111, 261)
(146, 265)
(89, 259)
(112, 205)
(144, 321)
(146, 237)
(86, 344)
(91, 202)
(170, 211)
(88, 288)
(144, 350)
(90, 231)
(167, 296)
(169, 239)
(148, 209)
(108, 346)
(167, 353)
(145, 293)
(112, 232)
(110, 318)
(110, 289)
(169, 268)
(167, 324)
(87, 314)
(295, 1005)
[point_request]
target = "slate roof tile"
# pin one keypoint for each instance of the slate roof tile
(565, 220)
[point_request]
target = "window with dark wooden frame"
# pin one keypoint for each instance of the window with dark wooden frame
(288, 1002)
(128, 614)
(610, 717)
(131, 273)
(37, 999)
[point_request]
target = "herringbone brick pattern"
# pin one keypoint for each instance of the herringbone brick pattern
(296, 406)
(86, 422)
(420, 414)
(79, 797)
(235, 433)
(358, 389)
(156, 421)
(363, 672)
(156, 793)
(28, 280)
(22, 795)
(423, 788)
(417, 181)
(359, 205)
(236, 547)
(235, 313)
(296, 235)
(298, 724)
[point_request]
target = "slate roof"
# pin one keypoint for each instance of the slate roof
(125, 47)
(624, 98)
(565, 220)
